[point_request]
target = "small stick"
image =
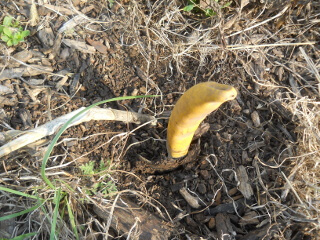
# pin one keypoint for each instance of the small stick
(53, 126)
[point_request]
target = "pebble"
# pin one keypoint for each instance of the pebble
(255, 119)
(199, 217)
(191, 222)
(246, 111)
(202, 188)
(204, 164)
(205, 174)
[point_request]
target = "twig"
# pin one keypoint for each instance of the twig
(239, 47)
(53, 126)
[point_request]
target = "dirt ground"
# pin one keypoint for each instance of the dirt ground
(253, 170)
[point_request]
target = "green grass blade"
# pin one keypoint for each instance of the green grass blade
(20, 193)
(19, 213)
(56, 201)
(24, 236)
(72, 220)
(65, 126)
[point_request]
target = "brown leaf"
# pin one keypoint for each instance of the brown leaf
(80, 46)
(97, 45)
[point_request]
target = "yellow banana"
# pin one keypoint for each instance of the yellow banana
(192, 107)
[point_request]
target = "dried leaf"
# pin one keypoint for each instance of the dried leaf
(81, 46)
(34, 16)
(97, 45)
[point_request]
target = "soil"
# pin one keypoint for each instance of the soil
(254, 132)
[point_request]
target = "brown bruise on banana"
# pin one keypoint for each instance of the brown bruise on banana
(190, 110)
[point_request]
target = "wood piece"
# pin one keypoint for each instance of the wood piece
(250, 217)
(80, 46)
(224, 227)
(262, 233)
(244, 186)
(15, 61)
(72, 23)
(30, 70)
(236, 206)
(33, 15)
(53, 126)
(191, 200)
(277, 106)
(130, 218)
(100, 47)
(46, 37)
(255, 145)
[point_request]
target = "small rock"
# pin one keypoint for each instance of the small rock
(205, 174)
(202, 188)
(191, 222)
(199, 217)
(204, 164)
(246, 111)
(255, 119)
